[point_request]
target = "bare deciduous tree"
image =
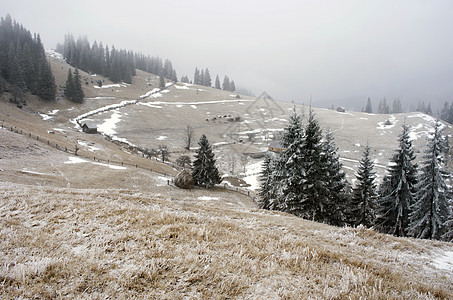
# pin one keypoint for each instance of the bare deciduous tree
(183, 160)
(189, 137)
(163, 152)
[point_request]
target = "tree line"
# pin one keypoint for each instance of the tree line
(203, 77)
(445, 114)
(23, 63)
(307, 180)
(117, 65)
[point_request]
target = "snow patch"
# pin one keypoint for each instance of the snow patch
(78, 160)
(109, 125)
(161, 138)
(155, 90)
(45, 117)
(207, 198)
(107, 86)
(444, 262)
(52, 53)
(149, 105)
(90, 148)
(180, 87)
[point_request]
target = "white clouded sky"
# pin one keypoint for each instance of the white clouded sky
(331, 50)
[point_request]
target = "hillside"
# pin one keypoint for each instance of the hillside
(76, 227)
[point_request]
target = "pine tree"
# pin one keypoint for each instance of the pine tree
(204, 172)
(232, 86)
(289, 174)
(397, 189)
(207, 78)
(361, 209)
(46, 86)
(226, 83)
(69, 86)
(77, 85)
(337, 184)
(196, 77)
(161, 82)
(315, 187)
(268, 183)
(217, 82)
(431, 209)
(369, 107)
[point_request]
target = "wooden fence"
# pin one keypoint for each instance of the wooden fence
(95, 158)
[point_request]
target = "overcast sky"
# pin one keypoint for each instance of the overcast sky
(335, 52)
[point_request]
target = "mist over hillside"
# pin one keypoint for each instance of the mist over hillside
(98, 215)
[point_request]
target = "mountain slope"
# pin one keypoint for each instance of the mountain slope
(76, 227)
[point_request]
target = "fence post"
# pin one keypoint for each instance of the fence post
(94, 158)
(121, 163)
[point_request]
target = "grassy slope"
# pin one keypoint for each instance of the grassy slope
(89, 231)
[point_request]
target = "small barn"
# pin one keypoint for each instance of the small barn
(89, 128)
(275, 146)
(341, 109)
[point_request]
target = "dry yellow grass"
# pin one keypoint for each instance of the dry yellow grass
(88, 243)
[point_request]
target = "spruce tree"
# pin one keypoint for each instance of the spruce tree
(205, 172)
(361, 210)
(77, 85)
(69, 86)
(369, 107)
(46, 86)
(226, 83)
(161, 82)
(397, 189)
(268, 183)
(207, 78)
(337, 184)
(217, 82)
(289, 172)
(232, 86)
(196, 77)
(431, 209)
(315, 203)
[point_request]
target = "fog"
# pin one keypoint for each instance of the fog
(334, 52)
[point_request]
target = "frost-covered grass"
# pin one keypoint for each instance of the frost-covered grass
(73, 243)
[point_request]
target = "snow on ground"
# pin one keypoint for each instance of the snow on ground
(103, 109)
(33, 172)
(54, 54)
(199, 103)
(149, 104)
(155, 90)
(156, 95)
(252, 175)
(123, 84)
(45, 117)
(207, 198)
(90, 148)
(109, 125)
(194, 106)
(100, 98)
(49, 114)
(181, 87)
(382, 126)
(161, 138)
(163, 180)
(77, 160)
(444, 262)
